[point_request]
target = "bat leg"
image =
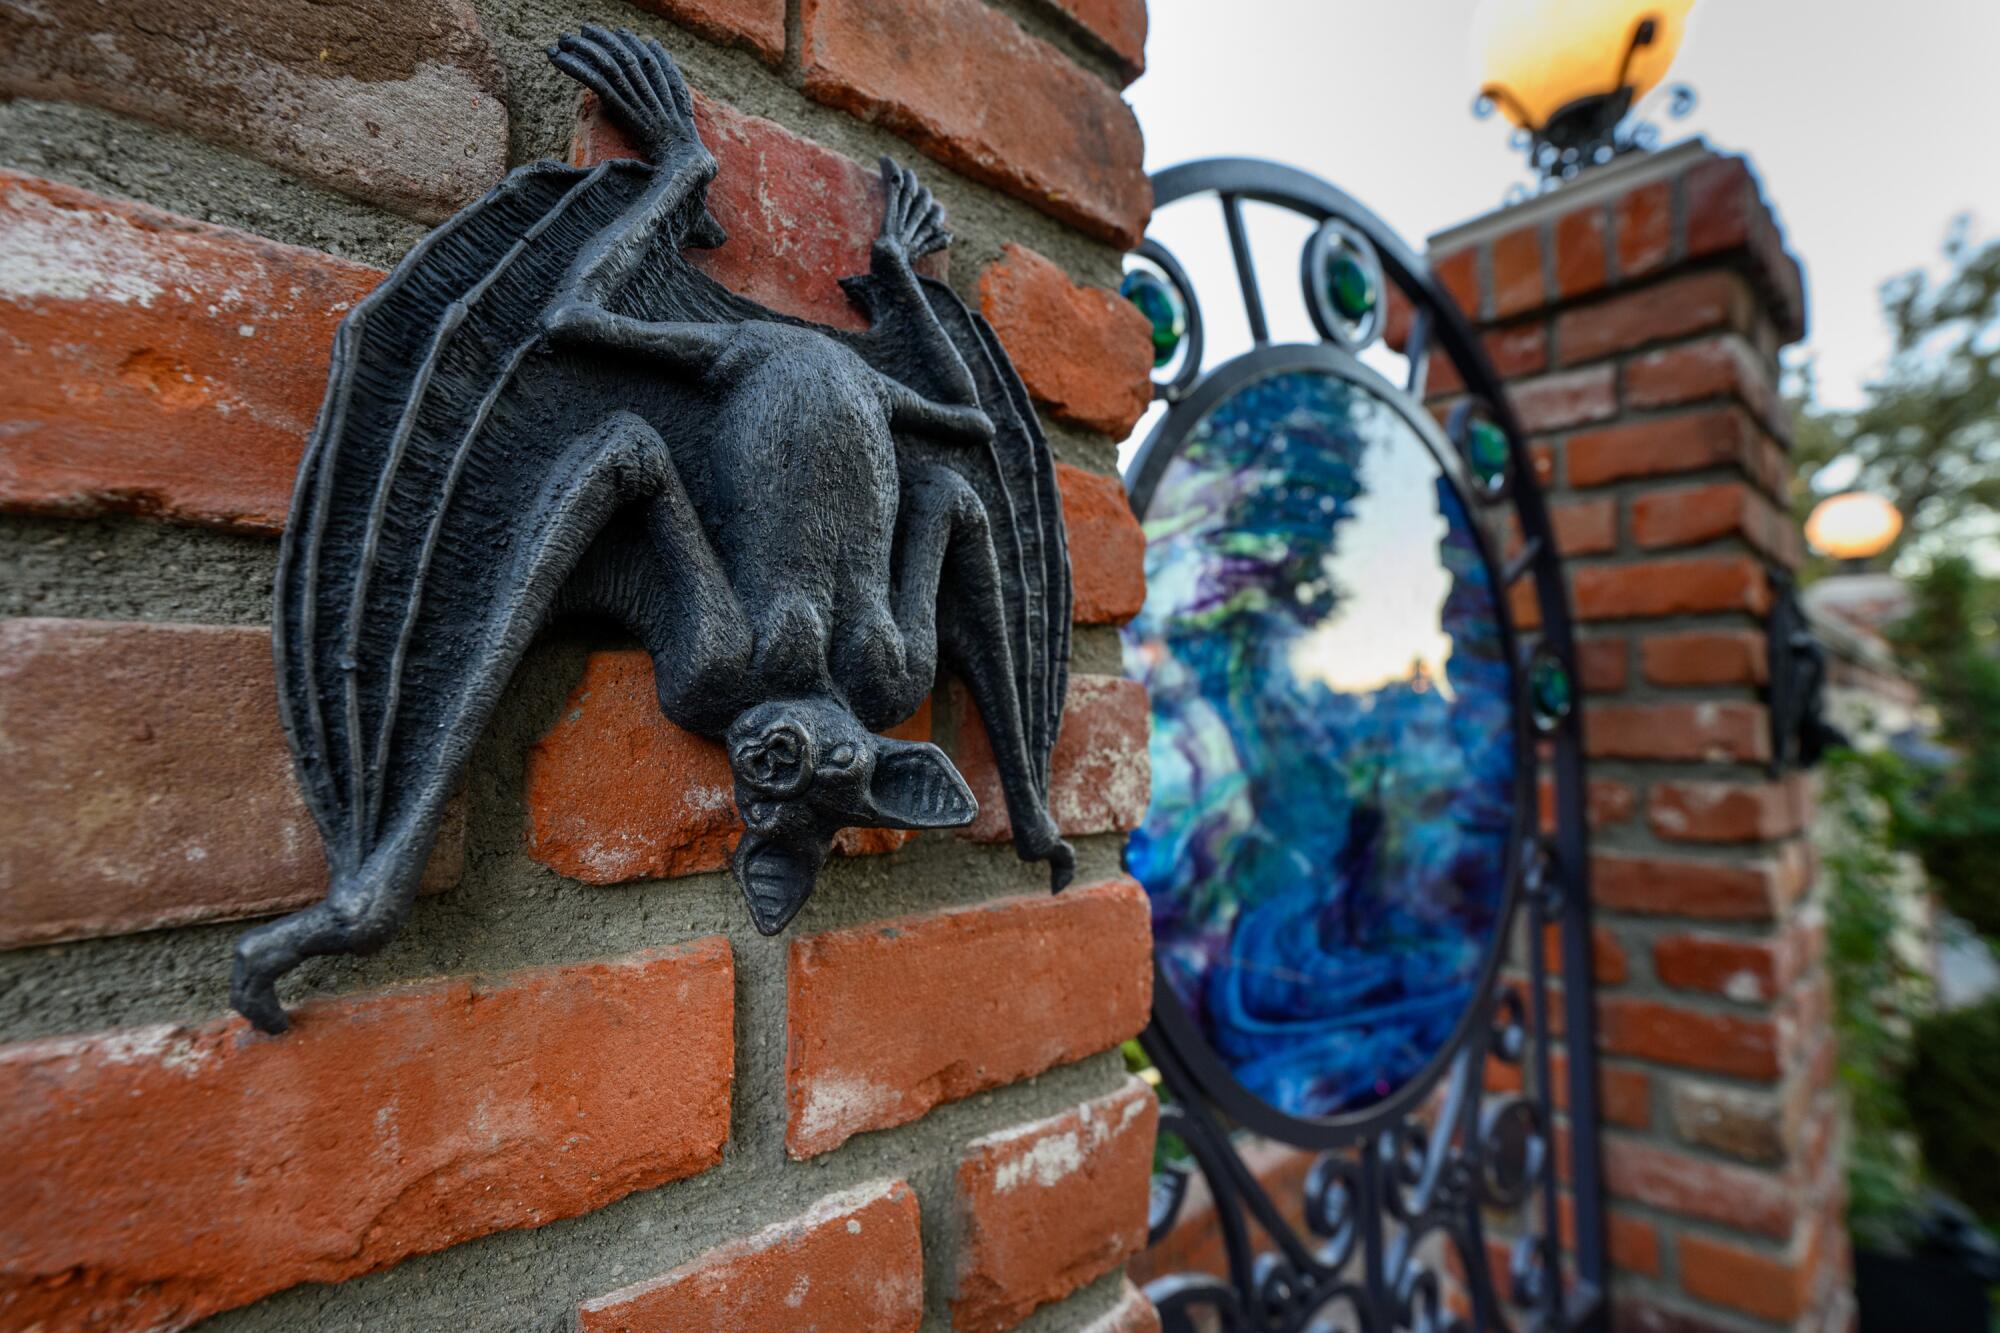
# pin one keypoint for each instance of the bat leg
(951, 543)
(360, 914)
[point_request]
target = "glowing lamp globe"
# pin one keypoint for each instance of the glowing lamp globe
(1852, 526)
(1568, 71)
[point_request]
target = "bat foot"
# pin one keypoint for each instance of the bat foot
(913, 223)
(1062, 865)
(253, 993)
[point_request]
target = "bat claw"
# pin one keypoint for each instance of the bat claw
(1062, 866)
(253, 993)
(913, 222)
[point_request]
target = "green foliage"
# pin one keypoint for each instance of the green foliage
(1877, 993)
(1952, 820)
(1927, 437)
(1953, 1092)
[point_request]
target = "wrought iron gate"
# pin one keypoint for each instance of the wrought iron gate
(1353, 891)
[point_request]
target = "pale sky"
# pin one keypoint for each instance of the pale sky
(1870, 124)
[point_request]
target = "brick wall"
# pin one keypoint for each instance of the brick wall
(579, 1090)
(1637, 316)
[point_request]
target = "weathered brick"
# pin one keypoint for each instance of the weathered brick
(1722, 366)
(1746, 1199)
(1585, 527)
(1670, 587)
(1565, 399)
(1518, 349)
(1763, 1283)
(1100, 777)
(1745, 1125)
(1049, 1207)
(1717, 890)
(406, 109)
(1747, 970)
(1608, 965)
(1133, 1314)
(1624, 1094)
(1580, 252)
(1705, 657)
(1721, 437)
(1714, 731)
(1697, 811)
(1116, 26)
(1107, 548)
(1674, 308)
(1690, 515)
(1633, 1241)
(1741, 1044)
(756, 24)
(892, 1018)
(1517, 273)
(1602, 664)
(155, 364)
(1086, 354)
(672, 810)
(149, 783)
(1606, 801)
(799, 217)
(1644, 1312)
(1643, 220)
(969, 87)
(1722, 206)
(1458, 274)
(854, 1260)
(157, 1175)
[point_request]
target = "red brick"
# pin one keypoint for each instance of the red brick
(756, 24)
(1117, 26)
(1565, 399)
(1670, 587)
(1107, 547)
(799, 217)
(1674, 308)
(1749, 1200)
(1687, 443)
(967, 86)
(1602, 664)
(1517, 273)
(1458, 274)
(1085, 354)
(1644, 222)
(853, 1260)
(1639, 1312)
(405, 107)
(1724, 366)
(1757, 1282)
(672, 810)
(1606, 801)
(892, 1018)
(1634, 1241)
(1695, 811)
(1047, 1208)
(1580, 252)
(1518, 349)
(149, 783)
(1397, 316)
(1747, 970)
(1607, 956)
(154, 364)
(1624, 1094)
(1739, 1044)
(1690, 515)
(1714, 731)
(1722, 206)
(1705, 657)
(1133, 1314)
(1100, 777)
(1730, 890)
(1585, 527)
(157, 1175)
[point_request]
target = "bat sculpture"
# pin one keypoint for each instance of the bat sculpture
(546, 409)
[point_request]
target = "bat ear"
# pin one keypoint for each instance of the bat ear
(706, 234)
(776, 874)
(914, 786)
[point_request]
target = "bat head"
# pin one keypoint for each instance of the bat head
(807, 768)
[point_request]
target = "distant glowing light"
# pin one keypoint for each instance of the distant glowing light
(1853, 526)
(1547, 54)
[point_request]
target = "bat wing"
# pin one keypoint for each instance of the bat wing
(1015, 479)
(431, 525)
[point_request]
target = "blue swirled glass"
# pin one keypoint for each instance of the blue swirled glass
(1333, 746)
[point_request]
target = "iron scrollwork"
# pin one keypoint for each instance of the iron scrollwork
(547, 409)
(1399, 1205)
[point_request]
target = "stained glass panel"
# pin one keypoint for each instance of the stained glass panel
(1333, 747)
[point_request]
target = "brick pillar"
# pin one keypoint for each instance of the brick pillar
(1637, 316)
(578, 1090)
